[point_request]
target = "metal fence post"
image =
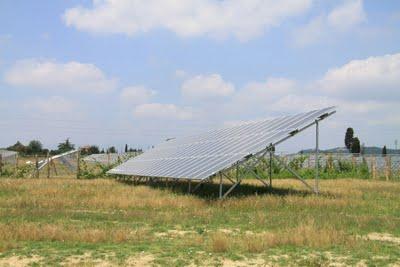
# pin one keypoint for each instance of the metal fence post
(78, 166)
(270, 168)
(1, 164)
(16, 165)
(388, 167)
(373, 167)
(316, 186)
(36, 166)
(48, 165)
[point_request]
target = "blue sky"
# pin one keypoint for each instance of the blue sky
(137, 72)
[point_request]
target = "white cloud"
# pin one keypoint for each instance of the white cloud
(135, 95)
(50, 75)
(54, 104)
(371, 78)
(162, 111)
(390, 120)
(271, 87)
(206, 87)
(243, 19)
(259, 95)
(343, 18)
(348, 15)
(312, 32)
(299, 103)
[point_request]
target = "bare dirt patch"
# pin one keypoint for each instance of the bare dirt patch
(229, 231)
(174, 233)
(86, 260)
(244, 263)
(385, 237)
(142, 259)
(18, 261)
(180, 232)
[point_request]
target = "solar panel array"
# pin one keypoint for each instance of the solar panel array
(67, 158)
(109, 158)
(201, 156)
(8, 156)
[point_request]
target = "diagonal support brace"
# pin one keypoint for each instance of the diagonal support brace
(227, 177)
(294, 173)
(258, 177)
(230, 189)
(199, 184)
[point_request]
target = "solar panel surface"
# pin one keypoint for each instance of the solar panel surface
(203, 155)
(8, 156)
(103, 158)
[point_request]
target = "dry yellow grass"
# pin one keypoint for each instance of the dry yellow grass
(220, 242)
(53, 232)
(305, 234)
(105, 211)
(92, 194)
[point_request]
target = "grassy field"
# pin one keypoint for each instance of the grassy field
(72, 222)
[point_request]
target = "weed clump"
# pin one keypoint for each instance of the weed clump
(220, 243)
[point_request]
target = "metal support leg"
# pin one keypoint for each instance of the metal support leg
(220, 185)
(237, 172)
(190, 186)
(316, 185)
(270, 168)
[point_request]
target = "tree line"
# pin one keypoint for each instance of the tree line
(35, 147)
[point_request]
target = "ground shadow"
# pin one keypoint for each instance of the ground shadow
(211, 190)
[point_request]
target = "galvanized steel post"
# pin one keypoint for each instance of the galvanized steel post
(78, 164)
(270, 168)
(16, 166)
(36, 166)
(316, 186)
(220, 185)
(48, 164)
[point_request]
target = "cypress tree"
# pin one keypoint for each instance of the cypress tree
(349, 137)
(384, 151)
(355, 146)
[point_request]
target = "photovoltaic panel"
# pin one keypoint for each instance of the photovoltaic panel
(104, 158)
(8, 156)
(203, 155)
(109, 158)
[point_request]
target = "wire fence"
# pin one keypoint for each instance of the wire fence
(377, 166)
(69, 164)
(109, 158)
(331, 165)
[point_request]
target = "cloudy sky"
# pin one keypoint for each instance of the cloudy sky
(111, 72)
